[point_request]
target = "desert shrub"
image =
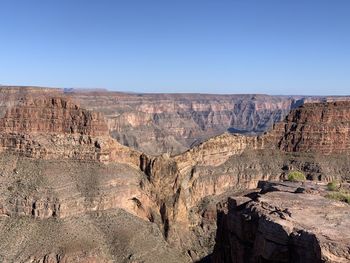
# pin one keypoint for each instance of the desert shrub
(332, 186)
(296, 176)
(339, 196)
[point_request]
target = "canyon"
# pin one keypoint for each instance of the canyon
(115, 177)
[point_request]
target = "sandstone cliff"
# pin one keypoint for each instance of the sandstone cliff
(322, 128)
(56, 127)
(52, 115)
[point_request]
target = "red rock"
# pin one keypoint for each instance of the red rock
(52, 115)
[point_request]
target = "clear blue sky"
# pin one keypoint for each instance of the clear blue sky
(211, 46)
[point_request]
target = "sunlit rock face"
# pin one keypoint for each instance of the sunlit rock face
(322, 128)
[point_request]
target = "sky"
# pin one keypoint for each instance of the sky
(299, 47)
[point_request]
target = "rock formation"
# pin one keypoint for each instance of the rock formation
(173, 123)
(280, 223)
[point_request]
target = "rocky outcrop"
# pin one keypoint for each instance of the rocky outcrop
(281, 224)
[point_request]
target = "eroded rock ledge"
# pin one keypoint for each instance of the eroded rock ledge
(283, 222)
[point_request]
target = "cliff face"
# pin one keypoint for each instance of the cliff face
(52, 115)
(12, 96)
(322, 128)
(56, 127)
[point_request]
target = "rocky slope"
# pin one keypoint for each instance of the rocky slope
(283, 222)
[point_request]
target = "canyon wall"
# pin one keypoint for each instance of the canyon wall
(172, 123)
(52, 126)
(52, 115)
(197, 180)
(318, 128)
(62, 171)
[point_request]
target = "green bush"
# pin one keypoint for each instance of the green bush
(332, 186)
(296, 176)
(339, 196)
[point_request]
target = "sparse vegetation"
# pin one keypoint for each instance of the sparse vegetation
(337, 192)
(296, 176)
(339, 196)
(333, 186)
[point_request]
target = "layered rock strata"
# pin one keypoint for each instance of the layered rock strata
(172, 123)
(65, 186)
(66, 166)
(322, 128)
(56, 127)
